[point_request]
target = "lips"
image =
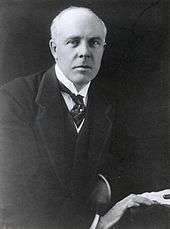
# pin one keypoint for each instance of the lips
(82, 67)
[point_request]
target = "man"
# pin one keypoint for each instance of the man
(57, 134)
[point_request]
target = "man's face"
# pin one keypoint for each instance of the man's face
(78, 46)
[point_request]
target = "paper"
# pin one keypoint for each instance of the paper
(158, 197)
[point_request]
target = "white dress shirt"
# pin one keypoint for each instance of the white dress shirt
(68, 100)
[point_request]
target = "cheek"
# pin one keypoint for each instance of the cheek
(67, 58)
(98, 60)
(98, 56)
(62, 53)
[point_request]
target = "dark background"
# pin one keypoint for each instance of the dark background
(136, 59)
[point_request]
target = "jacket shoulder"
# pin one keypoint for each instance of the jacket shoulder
(22, 86)
(17, 98)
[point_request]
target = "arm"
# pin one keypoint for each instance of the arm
(112, 217)
(101, 198)
(117, 211)
(16, 140)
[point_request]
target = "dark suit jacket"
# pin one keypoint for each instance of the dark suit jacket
(39, 186)
(37, 154)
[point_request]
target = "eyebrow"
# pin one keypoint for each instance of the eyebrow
(73, 37)
(96, 38)
(79, 37)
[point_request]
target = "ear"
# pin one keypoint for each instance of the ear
(104, 46)
(53, 48)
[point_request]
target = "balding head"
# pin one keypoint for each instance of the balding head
(68, 13)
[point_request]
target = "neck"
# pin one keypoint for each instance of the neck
(79, 87)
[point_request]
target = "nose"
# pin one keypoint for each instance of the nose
(84, 50)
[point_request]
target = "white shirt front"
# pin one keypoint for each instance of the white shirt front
(68, 100)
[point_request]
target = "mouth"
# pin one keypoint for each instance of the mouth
(82, 67)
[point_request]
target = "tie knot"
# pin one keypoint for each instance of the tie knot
(78, 99)
(78, 111)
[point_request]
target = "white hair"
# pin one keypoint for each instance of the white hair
(55, 21)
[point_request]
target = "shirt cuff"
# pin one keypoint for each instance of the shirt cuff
(95, 222)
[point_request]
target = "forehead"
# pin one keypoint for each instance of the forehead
(80, 23)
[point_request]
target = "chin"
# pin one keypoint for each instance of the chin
(82, 79)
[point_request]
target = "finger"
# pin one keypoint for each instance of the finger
(137, 200)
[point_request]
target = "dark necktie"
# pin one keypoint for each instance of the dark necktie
(78, 111)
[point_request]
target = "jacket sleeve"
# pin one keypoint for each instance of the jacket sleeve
(16, 141)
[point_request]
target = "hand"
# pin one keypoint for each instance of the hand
(117, 211)
(160, 197)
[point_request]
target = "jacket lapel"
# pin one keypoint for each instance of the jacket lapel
(102, 114)
(50, 122)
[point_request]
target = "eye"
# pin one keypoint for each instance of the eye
(95, 43)
(73, 42)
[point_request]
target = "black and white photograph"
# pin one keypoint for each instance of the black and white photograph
(84, 114)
